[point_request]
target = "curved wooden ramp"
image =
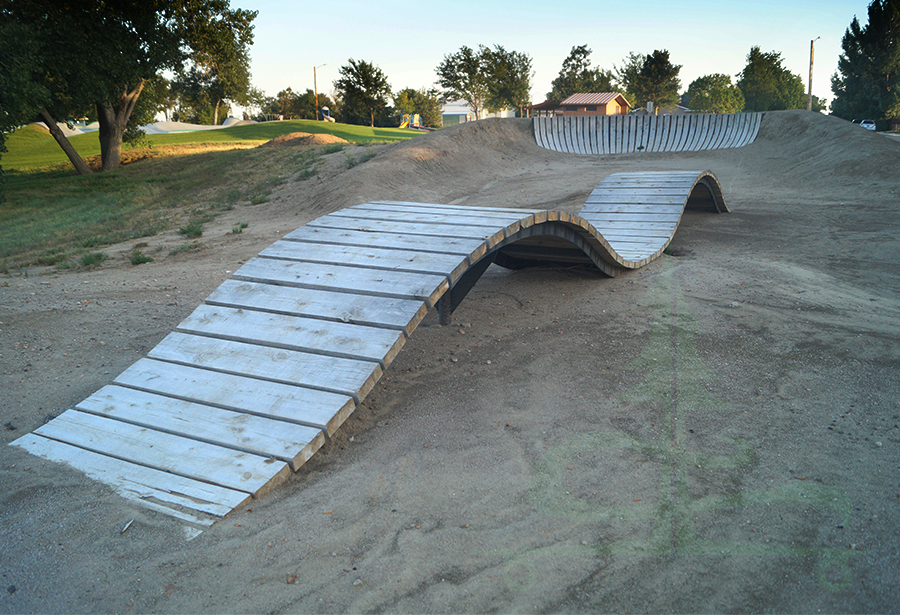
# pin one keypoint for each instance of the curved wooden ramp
(627, 134)
(249, 385)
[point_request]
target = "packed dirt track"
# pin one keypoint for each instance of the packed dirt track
(719, 431)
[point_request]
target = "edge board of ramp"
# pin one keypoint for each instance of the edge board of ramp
(248, 387)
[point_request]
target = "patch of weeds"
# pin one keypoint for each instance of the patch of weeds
(259, 199)
(352, 160)
(233, 196)
(187, 247)
(239, 228)
(192, 229)
(52, 258)
(138, 258)
(331, 149)
(92, 258)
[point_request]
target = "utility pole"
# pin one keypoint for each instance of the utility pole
(812, 45)
(316, 88)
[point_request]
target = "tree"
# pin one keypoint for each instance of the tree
(509, 83)
(220, 60)
(21, 98)
(492, 79)
(463, 75)
(100, 53)
(364, 91)
(423, 102)
(714, 94)
(576, 76)
(867, 81)
(768, 86)
(657, 81)
(628, 75)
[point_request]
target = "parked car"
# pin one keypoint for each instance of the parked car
(868, 124)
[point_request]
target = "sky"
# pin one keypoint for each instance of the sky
(407, 41)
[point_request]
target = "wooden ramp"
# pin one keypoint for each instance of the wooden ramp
(249, 385)
(628, 134)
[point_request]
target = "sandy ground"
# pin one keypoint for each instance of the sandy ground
(717, 432)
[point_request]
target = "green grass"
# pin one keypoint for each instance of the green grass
(51, 216)
(32, 147)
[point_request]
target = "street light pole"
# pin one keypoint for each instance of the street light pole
(316, 88)
(812, 45)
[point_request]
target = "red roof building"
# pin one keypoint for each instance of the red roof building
(604, 103)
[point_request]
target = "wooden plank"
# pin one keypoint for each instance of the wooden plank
(398, 314)
(390, 226)
(393, 259)
(140, 484)
(355, 280)
(421, 218)
(603, 217)
(452, 209)
(332, 374)
(624, 192)
(436, 245)
(665, 207)
(199, 461)
(265, 437)
(336, 339)
(304, 406)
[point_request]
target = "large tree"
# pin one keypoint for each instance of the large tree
(509, 83)
(493, 79)
(100, 53)
(768, 86)
(657, 81)
(627, 76)
(364, 91)
(423, 102)
(464, 76)
(577, 77)
(867, 81)
(714, 94)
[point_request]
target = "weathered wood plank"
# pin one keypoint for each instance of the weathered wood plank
(411, 229)
(355, 280)
(428, 217)
(336, 339)
(393, 259)
(192, 459)
(670, 207)
(141, 484)
(504, 212)
(398, 314)
(284, 402)
(333, 374)
(265, 437)
(434, 245)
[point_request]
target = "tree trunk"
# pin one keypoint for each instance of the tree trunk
(80, 165)
(216, 114)
(112, 127)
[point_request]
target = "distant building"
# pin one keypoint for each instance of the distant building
(459, 112)
(603, 103)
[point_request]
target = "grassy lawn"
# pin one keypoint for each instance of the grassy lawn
(52, 216)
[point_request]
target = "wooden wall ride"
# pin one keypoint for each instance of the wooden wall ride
(627, 134)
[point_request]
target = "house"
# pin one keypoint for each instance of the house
(603, 103)
(459, 112)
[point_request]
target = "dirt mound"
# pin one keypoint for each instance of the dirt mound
(303, 139)
(801, 147)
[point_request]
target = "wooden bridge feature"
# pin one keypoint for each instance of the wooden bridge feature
(629, 134)
(250, 385)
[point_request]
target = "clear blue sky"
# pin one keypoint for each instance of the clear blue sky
(408, 40)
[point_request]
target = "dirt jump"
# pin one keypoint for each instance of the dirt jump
(718, 431)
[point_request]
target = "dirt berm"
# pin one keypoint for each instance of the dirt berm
(718, 432)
